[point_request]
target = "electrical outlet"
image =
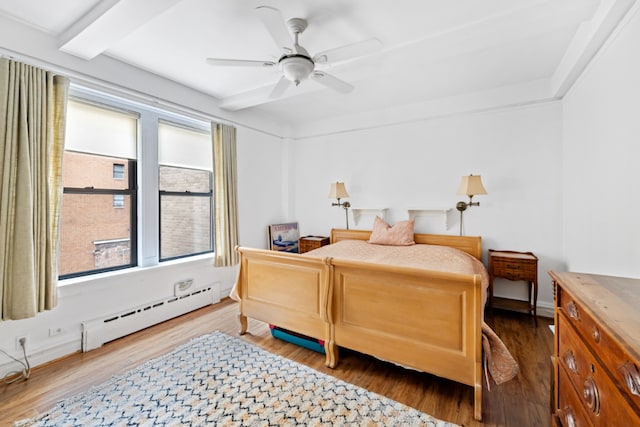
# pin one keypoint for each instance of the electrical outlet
(182, 287)
(55, 331)
(21, 342)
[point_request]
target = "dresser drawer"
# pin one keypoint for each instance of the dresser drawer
(570, 412)
(622, 369)
(600, 397)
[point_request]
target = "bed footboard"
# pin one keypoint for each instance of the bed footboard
(425, 320)
(288, 290)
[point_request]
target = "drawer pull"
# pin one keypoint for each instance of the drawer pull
(596, 334)
(591, 395)
(631, 377)
(570, 360)
(514, 266)
(572, 309)
(569, 417)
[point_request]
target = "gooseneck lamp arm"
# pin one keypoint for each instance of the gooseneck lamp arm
(462, 206)
(346, 205)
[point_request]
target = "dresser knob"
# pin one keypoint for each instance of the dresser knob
(570, 360)
(570, 419)
(631, 377)
(572, 309)
(591, 395)
(596, 334)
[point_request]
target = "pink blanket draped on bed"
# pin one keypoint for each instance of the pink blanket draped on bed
(498, 362)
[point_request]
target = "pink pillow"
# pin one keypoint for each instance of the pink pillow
(401, 234)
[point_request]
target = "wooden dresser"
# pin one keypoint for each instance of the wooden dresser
(597, 350)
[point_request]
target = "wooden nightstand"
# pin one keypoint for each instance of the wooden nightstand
(309, 243)
(515, 266)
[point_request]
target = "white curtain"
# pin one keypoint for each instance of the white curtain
(32, 126)
(225, 190)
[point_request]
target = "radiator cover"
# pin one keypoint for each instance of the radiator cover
(96, 332)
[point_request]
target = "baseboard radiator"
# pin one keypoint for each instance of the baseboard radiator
(99, 331)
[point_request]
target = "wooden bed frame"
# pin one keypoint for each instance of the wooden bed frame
(427, 320)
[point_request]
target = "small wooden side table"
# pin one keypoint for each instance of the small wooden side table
(514, 266)
(309, 243)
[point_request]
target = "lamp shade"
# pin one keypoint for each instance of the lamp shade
(471, 185)
(296, 68)
(338, 191)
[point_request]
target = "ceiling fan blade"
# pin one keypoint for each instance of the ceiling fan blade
(331, 82)
(348, 51)
(280, 88)
(274, 22)
(239, 62)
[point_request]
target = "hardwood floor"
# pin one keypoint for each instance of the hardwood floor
(523, 401)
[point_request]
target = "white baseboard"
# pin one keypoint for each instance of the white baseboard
(43, 355)
(68, 344)
(224, 292)
(545, 310)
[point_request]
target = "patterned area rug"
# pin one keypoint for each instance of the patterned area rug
(221, 380)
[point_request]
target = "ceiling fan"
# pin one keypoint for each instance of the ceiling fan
(295, 63)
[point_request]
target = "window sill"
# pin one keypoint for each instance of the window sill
(83, 280)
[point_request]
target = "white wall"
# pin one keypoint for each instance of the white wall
(260, 188)
(601, 159)
(261, 193)
(92, 297)
(81, 299)
(517, 151)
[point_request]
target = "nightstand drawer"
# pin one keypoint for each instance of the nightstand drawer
(514, 270)
(516, 267)
(515, 274)
(519, 266)
(309, 243)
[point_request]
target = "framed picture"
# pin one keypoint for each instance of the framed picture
(284, 237)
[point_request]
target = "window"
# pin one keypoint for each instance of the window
(118, 171)
(186, 193)
(118, 200)
(100, 145)
(125, 159)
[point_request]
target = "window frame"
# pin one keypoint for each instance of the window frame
(132, 192)
(186, 193)
(145, 210)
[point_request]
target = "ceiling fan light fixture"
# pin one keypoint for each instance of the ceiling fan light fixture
(295, 63)
(296, 68)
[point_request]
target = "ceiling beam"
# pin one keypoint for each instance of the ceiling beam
(108, 23)
(587, 41)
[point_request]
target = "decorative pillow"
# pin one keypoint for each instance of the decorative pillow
(400, 234)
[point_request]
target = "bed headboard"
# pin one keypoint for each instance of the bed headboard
(469, 244)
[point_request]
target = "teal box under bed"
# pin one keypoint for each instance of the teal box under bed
(297, 339)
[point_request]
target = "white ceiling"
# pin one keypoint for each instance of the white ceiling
(431, 50)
